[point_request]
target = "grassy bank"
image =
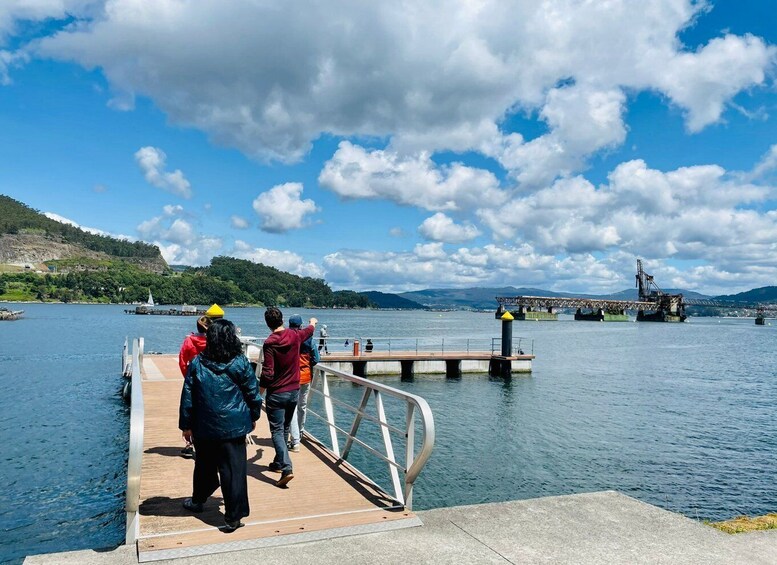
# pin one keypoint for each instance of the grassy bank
(742, 524)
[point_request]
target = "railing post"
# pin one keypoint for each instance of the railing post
(409, 453)
(330, 415)
(398, 490)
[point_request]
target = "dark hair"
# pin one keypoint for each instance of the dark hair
(273, 317)
(221, 342)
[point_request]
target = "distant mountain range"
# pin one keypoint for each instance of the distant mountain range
(477, 298)
(392, 301)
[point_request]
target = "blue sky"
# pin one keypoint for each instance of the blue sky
(410, 145)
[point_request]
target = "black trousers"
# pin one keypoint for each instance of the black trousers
(224, 459)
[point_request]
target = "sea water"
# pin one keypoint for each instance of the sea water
(677, 415)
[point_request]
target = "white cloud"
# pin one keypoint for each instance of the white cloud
(582, 121)
(238, 222)
(281, 209)
(151, 161)
(428, 266)
(177, 239)
(96, 231)
(355, 172)
(442, 228)
(269, 80)
(283, 260)
(691, 213)
(767, 165)
(703, 82)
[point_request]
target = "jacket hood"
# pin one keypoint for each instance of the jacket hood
(217, 367)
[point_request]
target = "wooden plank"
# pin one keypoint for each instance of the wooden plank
(325, 493)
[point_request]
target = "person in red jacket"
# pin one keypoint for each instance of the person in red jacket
(194, 344)
(280, 379)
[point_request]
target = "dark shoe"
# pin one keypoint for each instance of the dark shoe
(285, 478)
(274, 468)
(230, 527)
(192, 506)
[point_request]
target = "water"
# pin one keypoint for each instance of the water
(677, 415)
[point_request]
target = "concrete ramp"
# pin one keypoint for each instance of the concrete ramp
(584, 529)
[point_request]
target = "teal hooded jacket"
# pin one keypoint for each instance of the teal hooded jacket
(219, 400)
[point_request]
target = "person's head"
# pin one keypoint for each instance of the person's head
(273, 317)
(295, 321)
(202, 324)
(221, 341)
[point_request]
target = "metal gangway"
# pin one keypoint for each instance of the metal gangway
(349, 418)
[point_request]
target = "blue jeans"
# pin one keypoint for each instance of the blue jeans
(298, 422)
(280, 408)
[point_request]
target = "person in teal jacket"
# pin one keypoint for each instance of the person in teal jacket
(220, 404)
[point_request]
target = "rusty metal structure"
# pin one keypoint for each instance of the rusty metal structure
(652, 305)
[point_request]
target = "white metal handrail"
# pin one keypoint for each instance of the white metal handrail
(126, 360)
(415, 405)
(135, 456)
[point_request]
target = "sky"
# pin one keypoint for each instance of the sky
(404, 145)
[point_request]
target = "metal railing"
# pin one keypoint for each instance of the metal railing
(135, 456)
(126, 360)
(521, 346)
(349, 430)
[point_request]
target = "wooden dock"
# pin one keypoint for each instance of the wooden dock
(327, 498)
(409, 363)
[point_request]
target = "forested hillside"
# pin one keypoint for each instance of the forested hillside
(268, 285)
(226, 281)
(80, 266)
(16, 218)
(763, 294)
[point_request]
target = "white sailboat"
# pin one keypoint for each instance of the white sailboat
(150, 301)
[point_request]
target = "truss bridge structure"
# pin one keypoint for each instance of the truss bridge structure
(652, 305)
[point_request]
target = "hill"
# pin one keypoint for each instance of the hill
(762, 294)
(385, 300)
(270, 286)
(27, 237)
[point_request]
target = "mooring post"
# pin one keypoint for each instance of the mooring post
(506, 366)
(507, 334)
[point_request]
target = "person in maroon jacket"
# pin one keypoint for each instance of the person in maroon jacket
(280, 380)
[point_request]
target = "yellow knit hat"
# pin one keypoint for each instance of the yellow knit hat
(214, 311)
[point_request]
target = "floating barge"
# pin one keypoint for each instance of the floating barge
(145, 310)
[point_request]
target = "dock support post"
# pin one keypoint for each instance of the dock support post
(360, 368)
(506, 369)
(407, 369)
(453, 368)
